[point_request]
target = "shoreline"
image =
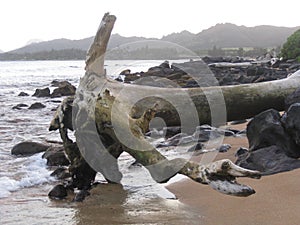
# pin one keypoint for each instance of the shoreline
(275, 202)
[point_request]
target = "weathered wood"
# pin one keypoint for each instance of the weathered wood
(95, 54)
(105, 126)
(228, 102)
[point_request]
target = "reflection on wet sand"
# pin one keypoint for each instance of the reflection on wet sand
(111, 204)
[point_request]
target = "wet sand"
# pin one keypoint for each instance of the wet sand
(276, 201)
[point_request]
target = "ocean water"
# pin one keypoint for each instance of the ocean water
(27, 125)
(25, 181)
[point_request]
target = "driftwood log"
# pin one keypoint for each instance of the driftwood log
(110, 117)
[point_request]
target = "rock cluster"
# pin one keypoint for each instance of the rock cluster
(63, 88)
(211, 71)
(274, 140)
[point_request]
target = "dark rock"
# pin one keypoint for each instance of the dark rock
(61, 173)
(268, 160)
(171, 131)
(167, 71)
(64, 89)
(206, 133)
(37, 105)
(292, 98)
(197, 147)
(131, 77)
(125, 72)
(119, 78)
(265, 130)
(19, 106)
(274, 142)
(295, 66)
(55, 156)
(175, 76)
(214, 71)
(229, 133)
(291, 60)
(211, 59)
(58, 192)
(241, 151)
(57, 83)
(165, 65)
(224, 148)
(176, 67)
(81, 195)
(155, 71)
(55, 101)
(28, 148)
(242, 132)
(234, 131)
(45, 92)
(191, 84)
(284, 65)
(291, 123)
(23, 94)
(173, 141)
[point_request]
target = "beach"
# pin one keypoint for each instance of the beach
(275, 202)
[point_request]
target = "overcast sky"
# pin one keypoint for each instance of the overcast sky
(25, 20)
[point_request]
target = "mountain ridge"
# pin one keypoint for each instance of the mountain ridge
(221, 35)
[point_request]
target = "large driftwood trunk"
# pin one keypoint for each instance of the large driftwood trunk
(215, 105)
(110, 117)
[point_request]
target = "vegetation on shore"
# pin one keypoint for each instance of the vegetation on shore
(291, 49)
(143, 53)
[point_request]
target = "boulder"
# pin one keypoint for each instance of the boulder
(265, 130)
(58, 192)
(274, 142)
(131, 77)
(45, 92)
(64, 89)
(55, 156)
(28, 148)
(291, 123)
(268, 160)
(37, 105)
(125, 72)
(241, 151)
(155, 71)
(81, 195)
(61, 173)
(57, 83)
(19, 106)
(22, 94)
(165, 65)
(223, 148)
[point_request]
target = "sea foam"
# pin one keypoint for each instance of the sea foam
(34, 172)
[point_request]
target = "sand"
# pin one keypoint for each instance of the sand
(276, 201)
